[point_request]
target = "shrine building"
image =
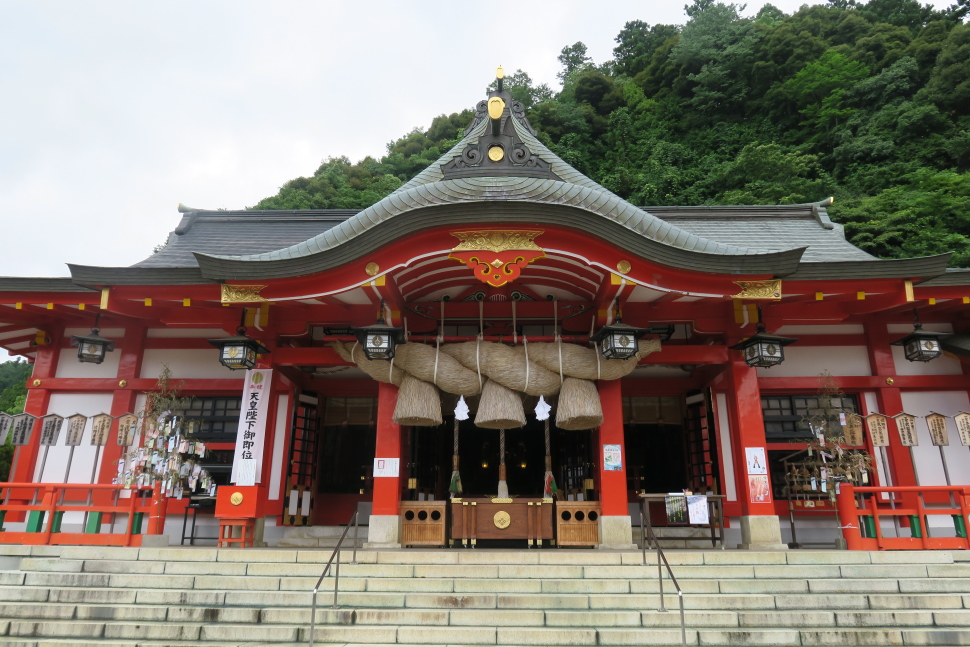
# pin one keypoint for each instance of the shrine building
(503, 336)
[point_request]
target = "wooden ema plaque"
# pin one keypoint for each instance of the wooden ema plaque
(474, 519)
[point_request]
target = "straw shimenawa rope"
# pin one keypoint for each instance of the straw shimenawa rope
(458, 369)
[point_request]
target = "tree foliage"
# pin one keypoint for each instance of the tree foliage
(13, 396)
(866, 101)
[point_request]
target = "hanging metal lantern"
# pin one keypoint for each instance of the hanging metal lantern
(920, 345)
(238, 352)
(762, 350)
(379, 340)
(618, 340)
(91, 349)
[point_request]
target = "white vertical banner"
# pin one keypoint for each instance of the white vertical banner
(247, 462)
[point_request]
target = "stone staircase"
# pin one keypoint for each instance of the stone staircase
(201, 596)
(319, 537)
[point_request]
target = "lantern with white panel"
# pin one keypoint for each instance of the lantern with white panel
(238, 352)
(763, 350)
(920, 345)
(618, 340)
(379, 340)
(92, 349)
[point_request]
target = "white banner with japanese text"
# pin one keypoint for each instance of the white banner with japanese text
(247, 462)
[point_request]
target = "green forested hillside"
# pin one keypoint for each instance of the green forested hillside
(13, 395)
(866, 102)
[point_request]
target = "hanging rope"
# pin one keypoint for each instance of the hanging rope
(455, 486)
(525, 345)
(478, 343)
(437, 347)
(501, 447)
(596, 347)
(548, 445)
(515, 333)
(555, 325)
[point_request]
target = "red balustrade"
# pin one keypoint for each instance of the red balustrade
(862, 508)
(45, 504)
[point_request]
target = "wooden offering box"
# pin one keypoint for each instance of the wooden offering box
(577, 523)
(474, 519)
(423, 523)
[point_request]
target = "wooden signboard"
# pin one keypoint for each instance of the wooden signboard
(50, 429)
(878, 429)
(853, 430)
(100, 427)
(23, 428)
(6, 422)
(906, 426)
(127, 428)
(963, 427)
(937, 425)
(75, 429)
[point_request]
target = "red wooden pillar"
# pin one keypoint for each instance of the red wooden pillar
(615, 524)
(384, 526)
(760, 526)
(890, 399)
(38, 400)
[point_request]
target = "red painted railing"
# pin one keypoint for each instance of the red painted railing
(44, 505)
(860, 517)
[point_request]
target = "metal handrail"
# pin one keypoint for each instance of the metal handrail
(326, 569)
(648, 529)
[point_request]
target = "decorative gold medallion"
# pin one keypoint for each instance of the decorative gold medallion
(123, 383)
(232, 351)
(502, 519)
(236, 498)
(257, 378)
(624, 267)
(508, 253)
(36, 382)
(372, 268)
(242, 293)
(758, 289)
(495, 153)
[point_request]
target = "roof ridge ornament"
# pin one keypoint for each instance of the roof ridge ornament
(499, 152)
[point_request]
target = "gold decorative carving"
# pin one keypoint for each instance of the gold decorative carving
(624, 267)
(495, 153)
(236, 498)
(36, 382)
(759, 289)
(457, 499)
(498, 500)
(123, 383)
(242, 293)
(496, 241)
(372, 268)
(502, 519)
(890, 381)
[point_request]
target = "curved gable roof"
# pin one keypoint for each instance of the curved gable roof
(567, 187)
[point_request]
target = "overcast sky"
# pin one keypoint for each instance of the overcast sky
(114, 112)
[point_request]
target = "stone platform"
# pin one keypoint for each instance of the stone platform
(200, 596)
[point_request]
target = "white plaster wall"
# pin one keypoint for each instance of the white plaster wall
(942, 365)
(281, 431)
(68, 366)
(185, 364)
(929, 464)
(809, 361)
(67, 404)
(727, 453)
(823, 329)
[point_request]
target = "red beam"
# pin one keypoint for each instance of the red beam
(937, 382)
(677, 354)
(81, 384)
(315, 356)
